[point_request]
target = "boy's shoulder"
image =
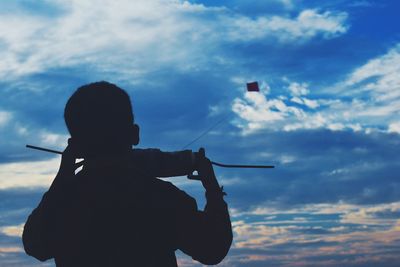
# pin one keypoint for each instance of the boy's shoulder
(169, 192)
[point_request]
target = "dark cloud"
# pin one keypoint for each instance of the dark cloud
(20, 259)
(17, 204)
(327, 167)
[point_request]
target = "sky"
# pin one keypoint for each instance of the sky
(327, 114)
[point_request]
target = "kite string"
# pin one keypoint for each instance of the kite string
(206, 131)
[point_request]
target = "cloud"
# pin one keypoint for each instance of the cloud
(52, 139)
(297, 89)
(312, 235)
(142, 36)
(308, 24)
(280, 113)
(97, 34)
(10, 249)
(312, 166)
(28, 174)
(20, 131)
(5, 117)
(362, 3)
(368, 100)
(15, 230)
(379, 76)
(394, 127)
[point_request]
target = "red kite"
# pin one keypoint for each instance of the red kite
(253, 87)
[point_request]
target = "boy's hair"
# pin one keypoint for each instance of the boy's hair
(99, 113)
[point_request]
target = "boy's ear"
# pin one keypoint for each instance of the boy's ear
(135, 134)
(72, 143)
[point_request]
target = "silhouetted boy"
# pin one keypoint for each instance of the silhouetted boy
(113, 212)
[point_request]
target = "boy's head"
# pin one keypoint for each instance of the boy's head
(100, 120)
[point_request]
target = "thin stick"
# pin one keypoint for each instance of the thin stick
(213, 162)
(242, 166)
(44, 149)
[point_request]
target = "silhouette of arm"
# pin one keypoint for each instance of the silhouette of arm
(40, 229)
(207, 235)
(155, 162)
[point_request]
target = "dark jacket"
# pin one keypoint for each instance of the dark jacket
(106, 216)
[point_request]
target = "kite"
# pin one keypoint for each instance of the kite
(253, 87)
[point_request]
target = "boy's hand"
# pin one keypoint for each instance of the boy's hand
(68, 165)
(66, 170)
(205, 172)
(207, 175)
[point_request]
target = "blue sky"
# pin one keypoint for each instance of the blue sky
(327, 115)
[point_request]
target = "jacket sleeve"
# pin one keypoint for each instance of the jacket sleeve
(35, 236)
(207, 235)
(157, 163)
(39, 230)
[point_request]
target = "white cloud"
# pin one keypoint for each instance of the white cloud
(21, 130)
(369, 222)
(227, 181)
(375, 104)
(298, 89)
(5, 117)
(214, 110)
(14, 230)
(52, 139)
(313, 104)
(10, 250)
(380, 76)
(133, 37)
(260, 112)
(286, 159)
(287, 3)
(105, 33)
(394, 127)
(362, 3)
(308, 24)
(28, 174)
(310, 103)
